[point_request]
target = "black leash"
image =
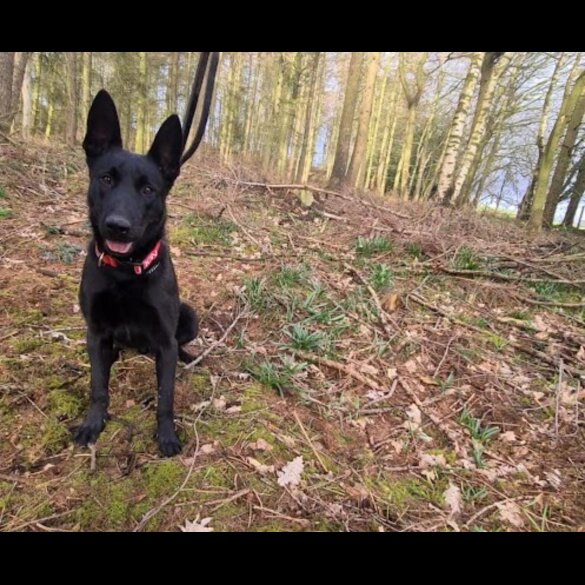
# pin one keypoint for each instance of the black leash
(213, 60)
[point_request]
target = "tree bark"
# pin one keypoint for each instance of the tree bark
(576, 195)
(535, 222)
(563, 162)
(446, 183)
(494, 64)
(356, 166)
(526, 204)
(339, 172)
(72, 97)
(6, 73)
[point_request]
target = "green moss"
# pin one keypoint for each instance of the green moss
(162, 478)
(55, 437)
(27, 344)
(63, 403)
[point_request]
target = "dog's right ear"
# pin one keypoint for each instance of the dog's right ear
(103, 126)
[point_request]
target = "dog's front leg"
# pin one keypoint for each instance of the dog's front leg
(101, 357)
(166, 364)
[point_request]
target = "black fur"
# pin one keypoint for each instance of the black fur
(126, 200)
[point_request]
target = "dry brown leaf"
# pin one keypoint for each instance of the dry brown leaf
(197, 526)
(452, 497)
(511, 512)
(428, 460)
(261, 445)
(260, 467)
(290, 474)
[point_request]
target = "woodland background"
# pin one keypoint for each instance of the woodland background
(459, 129)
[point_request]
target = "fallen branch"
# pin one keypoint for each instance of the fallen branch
(508, 277)
(434, 418)
(218, 342)
(384, 317)
(295, 187)
(529, 350)
(299, 422)
(348, 371)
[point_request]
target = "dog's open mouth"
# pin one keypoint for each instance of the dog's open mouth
(119, 247)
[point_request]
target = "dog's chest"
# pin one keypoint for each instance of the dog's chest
(131, 320)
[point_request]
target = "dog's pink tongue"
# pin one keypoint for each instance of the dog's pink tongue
(119, 247)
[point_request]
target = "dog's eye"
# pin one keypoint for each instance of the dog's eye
(107, 180)
(147, 190)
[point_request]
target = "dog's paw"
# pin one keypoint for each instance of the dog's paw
(89, 431)
(168, 442)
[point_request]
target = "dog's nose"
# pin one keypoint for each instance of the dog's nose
(118, 225)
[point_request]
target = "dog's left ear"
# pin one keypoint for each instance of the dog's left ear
(167, 148)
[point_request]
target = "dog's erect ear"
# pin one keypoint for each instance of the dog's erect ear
(103, 126)
(167, 148)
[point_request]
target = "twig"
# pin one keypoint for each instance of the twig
(508, 277)
(295, 187)
(218, 342)
(558, 399)
(299, 422)
(52, 517)
(435, 419)
(225, 501)
(302, 521)
(529, 350)
(340, 368)
(384, 317)
(491, 507)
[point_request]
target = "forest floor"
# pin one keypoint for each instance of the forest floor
(374, 366)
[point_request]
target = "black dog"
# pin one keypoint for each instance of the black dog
(129, 295)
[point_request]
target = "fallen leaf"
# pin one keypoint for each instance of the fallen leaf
(509, 436)
(554, 478)
(391, 302)
(452, 497)
(207, 449)
(261, 445)
(290, 474)
(197, 526)
(260, 467)
(219, 403)
(511, 512)
(370, 370)
(428, 460)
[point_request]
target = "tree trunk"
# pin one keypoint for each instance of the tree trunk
(563, 162)
(172, 94)
(526, 204)
(86, 84)
(446, 182)
(72, 98)
(20, 63)
(535, 221)
(27, 100)
(6, 73)
(387, 144)
(339, 172)
(576, 195)
(412, 96)
(357, 164)
(373, 141)
(140, 136)
(307, 140)
(494, 64)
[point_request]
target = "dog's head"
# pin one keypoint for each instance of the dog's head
(127, 191)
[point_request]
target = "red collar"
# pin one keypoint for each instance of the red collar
(139, 267)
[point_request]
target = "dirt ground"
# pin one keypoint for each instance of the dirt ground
(373, 365)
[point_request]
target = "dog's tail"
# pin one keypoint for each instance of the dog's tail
(187, 330)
